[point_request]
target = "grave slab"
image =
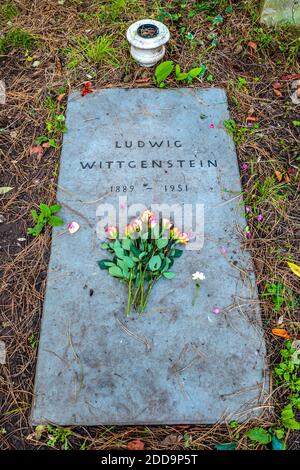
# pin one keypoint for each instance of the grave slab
(279, 12)
(178, 363)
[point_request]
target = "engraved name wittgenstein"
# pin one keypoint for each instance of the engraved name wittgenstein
(151, 162)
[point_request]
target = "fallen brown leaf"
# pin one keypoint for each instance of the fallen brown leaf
(252, 45)
(278, 175)
(137, 444)
(142, 80)
(277, 92)
(251, 119)
(36, 150)
(61, 97)
(290, 76)
(171, 440)
(277, 85)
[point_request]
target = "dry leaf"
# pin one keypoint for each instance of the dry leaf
(171, 440)
(290, 76)
(142, 80)
(61, 97)
(278, 175)
(294, 268)
(137, 444)
(277, 85)
(5, 189)
(251, 119)
(252, 45)
(287, 178)
(280, 332)
(36, 150)
(277, 92)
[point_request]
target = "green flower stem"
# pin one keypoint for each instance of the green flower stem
(149, 289)
(196, 293)
(129, 294)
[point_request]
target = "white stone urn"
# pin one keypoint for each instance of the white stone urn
(148, 38)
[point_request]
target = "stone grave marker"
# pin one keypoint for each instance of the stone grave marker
(178, 363)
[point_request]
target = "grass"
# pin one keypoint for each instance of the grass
(17, 39)
(93, 51)
(8, 11)
(32, 112)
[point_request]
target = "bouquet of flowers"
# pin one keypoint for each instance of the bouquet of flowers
(144, 255)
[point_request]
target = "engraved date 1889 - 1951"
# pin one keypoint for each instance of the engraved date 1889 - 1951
(124, 188)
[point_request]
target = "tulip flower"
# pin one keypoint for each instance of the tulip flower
(111, 232)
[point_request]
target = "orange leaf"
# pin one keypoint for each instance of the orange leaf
(277, 92)
(137, 444)
(278, 175)
(280, 332)
(251, 119)
(252, 45)
(61, 97)
(287, 178)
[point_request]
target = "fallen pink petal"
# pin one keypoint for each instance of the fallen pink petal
(73, 227)
(212, 126)
(223, 250)
(216, 310)
(245, 166)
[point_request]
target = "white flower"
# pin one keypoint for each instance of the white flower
(198, 276)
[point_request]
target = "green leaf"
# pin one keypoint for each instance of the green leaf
(129, 261)
(34, 215)
(155, 263)
(177, 253)
(55, 208)
(162, 71)
(194, 72)
(288, 418)
(102, 264)
(36, 230)
(260, 435)
(45, 210)
(115, 271)
(119, 251)
(5, 189)
(55, 221)
(135, 251)
(180, 75)
(126, 244)
(105, 264)
(104, 246)
(169, 275)
(226, 446)
(162, 243)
